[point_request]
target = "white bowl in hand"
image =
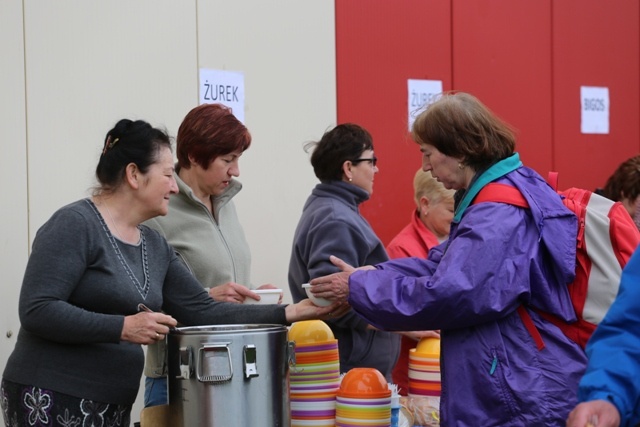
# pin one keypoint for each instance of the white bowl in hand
(320, 302)
(267, 296)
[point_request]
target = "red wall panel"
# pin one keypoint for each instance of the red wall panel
(380, 44)
(502, 55)
(595, 44)
(526, 60)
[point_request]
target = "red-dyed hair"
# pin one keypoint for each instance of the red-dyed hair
(209, 131)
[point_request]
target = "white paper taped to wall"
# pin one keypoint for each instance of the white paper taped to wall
(224, 87)
(594, 106)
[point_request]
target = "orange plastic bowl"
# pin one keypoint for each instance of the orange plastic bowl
(364, 383)
(310, 332)
(428, 346)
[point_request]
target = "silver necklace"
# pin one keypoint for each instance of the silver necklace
(143, 289)
(114, 222)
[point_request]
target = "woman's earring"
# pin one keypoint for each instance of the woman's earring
(460, 166)
(350, 179)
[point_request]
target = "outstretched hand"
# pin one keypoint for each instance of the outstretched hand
(306, 310)
(343, 266)
(347, 267)
(232, 292)
(335, 287)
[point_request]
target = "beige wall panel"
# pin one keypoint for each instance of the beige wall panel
(90, 64)
(14, 210)
(286, 50)
(71, 69)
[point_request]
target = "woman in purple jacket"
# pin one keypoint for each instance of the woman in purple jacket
(499, 257)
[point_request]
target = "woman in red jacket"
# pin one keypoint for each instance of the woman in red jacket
(429, 226)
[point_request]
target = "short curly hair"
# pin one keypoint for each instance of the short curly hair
(625, 181)
(344, 142)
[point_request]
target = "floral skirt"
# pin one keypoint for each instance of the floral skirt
(24, 405)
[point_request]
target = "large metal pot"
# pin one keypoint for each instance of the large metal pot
(230, 375)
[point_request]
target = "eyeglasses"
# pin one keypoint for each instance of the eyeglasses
(372, 160)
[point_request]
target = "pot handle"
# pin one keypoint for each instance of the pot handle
(250, 358)
(214, 363)
(186, 363)
(291, 356)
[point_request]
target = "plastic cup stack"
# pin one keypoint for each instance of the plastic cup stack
(315, 378)
(363, 399)
(424, 369)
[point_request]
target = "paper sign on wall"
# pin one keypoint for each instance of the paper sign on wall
(421, 94)
(594, 103)
(224, 87)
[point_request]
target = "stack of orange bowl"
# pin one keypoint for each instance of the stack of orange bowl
(315, 378)
(424, 369)
(363, 399)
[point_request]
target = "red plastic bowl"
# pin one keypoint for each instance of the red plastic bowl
(364, 383)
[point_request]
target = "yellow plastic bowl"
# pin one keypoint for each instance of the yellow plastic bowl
(310, 332)
(428, 346)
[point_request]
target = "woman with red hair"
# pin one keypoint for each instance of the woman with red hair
(202, 224)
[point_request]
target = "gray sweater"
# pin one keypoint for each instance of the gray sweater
(80, 283)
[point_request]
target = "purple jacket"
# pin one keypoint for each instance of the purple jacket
(498, 257)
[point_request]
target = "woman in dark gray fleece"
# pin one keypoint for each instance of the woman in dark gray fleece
(78, 357)
(331, 224)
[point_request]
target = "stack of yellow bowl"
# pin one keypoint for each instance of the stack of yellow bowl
(363, 399)
(424, 368)
(315, 378)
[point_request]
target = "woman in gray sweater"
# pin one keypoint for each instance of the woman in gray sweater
(78, 357)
